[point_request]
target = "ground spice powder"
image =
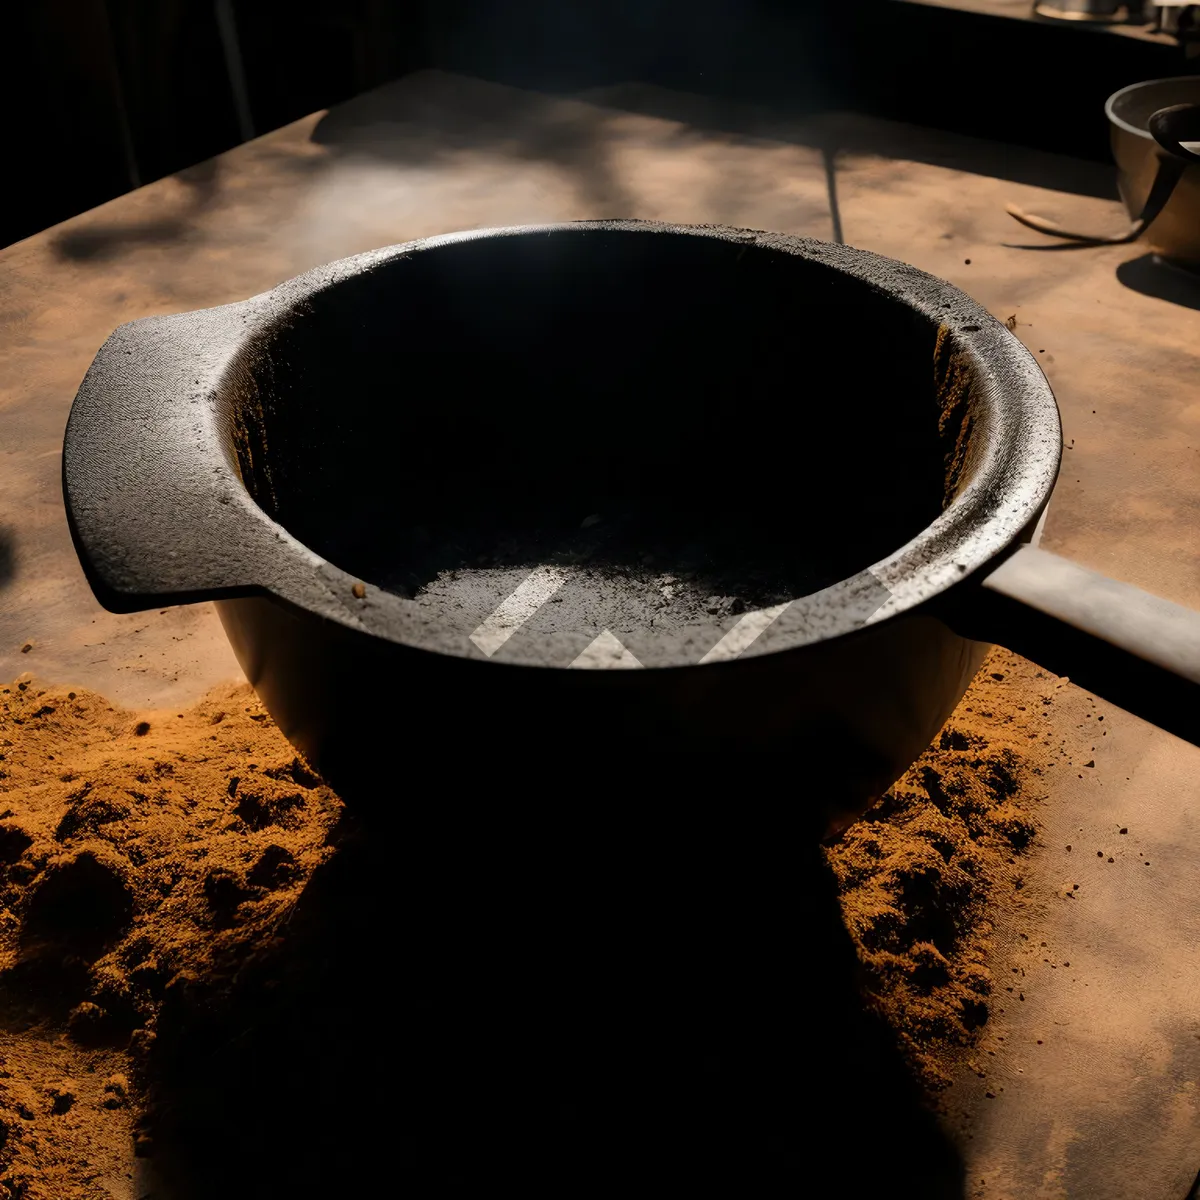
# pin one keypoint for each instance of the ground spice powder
(144, 856)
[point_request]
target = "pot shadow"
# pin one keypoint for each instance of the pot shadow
(1151, 276)
(564, 1002)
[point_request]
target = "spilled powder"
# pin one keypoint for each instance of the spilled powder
(145, 855)
(134, 849)
(921, 874)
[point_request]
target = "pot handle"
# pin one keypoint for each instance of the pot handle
(1169, 127)
(156, 508)
(1138, 651)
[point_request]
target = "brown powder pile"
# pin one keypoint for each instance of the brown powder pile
(922, 871)
(134, 849)
(151, 864)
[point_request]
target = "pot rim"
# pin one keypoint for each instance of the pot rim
(1015, 449)
(1109, 104)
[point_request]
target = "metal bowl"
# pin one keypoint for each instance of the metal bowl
(1175, 233)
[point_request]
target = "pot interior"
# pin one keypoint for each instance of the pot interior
(1135, 105)
(744, 424)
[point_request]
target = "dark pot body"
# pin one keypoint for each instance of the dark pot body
(331, 461)
(820, 729)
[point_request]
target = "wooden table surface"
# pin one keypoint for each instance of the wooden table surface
(1114, 1111)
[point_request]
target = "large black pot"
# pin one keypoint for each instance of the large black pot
(845, 453)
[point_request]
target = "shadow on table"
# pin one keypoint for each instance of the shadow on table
(8, 557)
(97, 241)
(431, 114)
(560, 1009)
(1153, 277)
(849, 132)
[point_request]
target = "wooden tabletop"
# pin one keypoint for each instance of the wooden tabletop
(1118, 338)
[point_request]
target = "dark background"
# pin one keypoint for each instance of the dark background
(103, 95)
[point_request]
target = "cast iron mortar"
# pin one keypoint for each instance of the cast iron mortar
(791, 481)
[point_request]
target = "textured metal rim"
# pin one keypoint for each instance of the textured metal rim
(1016, 450)
(1110, 103)
(135, 560)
